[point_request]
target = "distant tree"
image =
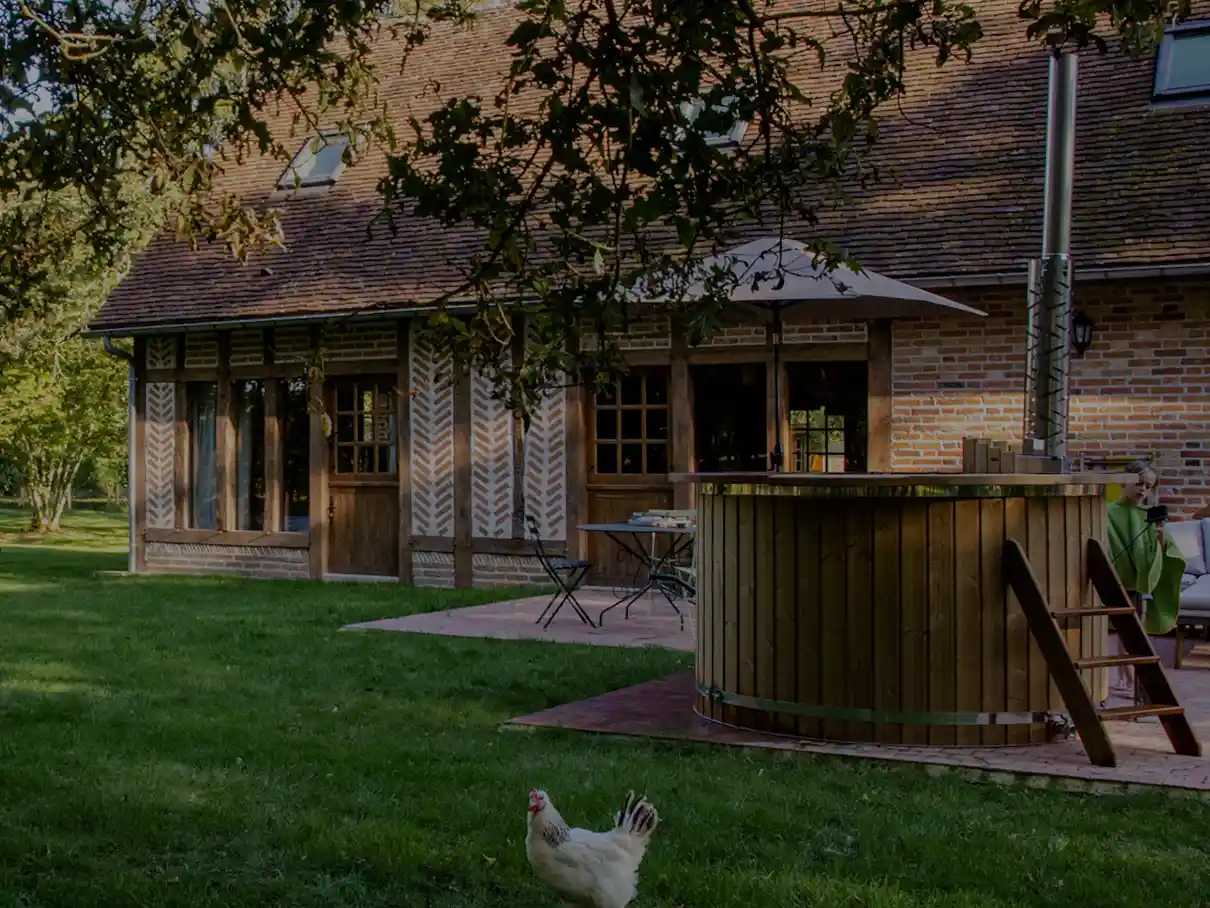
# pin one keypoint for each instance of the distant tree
(64, 401)
(62, 396)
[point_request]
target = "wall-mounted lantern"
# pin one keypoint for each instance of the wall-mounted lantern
(1081, 332)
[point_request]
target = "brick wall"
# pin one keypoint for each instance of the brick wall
(508, 570)
(432, 569)
(1142, 389)
(245, 560)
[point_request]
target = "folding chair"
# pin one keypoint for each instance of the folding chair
(567, 576)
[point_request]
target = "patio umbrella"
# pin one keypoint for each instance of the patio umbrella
(773, 274)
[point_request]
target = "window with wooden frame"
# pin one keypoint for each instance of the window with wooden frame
(817, 441)
(363, 443)
(295, 418)
(202, 405)
(630, 436)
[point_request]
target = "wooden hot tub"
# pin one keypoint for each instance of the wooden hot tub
(872, 607)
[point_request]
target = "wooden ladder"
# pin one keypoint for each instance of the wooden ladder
(1065, 670)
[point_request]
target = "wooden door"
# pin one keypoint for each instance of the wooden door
(628, 463)
(363, 482)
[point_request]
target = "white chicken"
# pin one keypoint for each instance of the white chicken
(589, 869)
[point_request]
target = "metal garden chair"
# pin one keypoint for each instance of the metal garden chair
(568, 576)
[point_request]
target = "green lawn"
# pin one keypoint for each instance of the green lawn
(196, 742)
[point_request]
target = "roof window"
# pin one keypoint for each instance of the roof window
(1182, 64)
(318, 163)
(732, 127)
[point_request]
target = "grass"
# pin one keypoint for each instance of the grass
(212, 742)
(84, 530)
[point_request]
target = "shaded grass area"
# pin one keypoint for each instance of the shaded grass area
(96, 531)
(188, 741)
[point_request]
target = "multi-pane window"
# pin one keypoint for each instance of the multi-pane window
(296, 456)
(202, 398)
(364, 440)
(248, 398)
(632, 422)
(817, 441)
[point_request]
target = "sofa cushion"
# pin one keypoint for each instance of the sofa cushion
(1189, 539)
(1187, 580)
(1196, 599)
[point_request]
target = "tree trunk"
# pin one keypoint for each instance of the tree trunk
(49, 493)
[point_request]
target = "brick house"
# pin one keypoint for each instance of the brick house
(236, 471)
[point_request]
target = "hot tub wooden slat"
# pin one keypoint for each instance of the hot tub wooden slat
(766, 605)
(941, 653)
(784, 611)
(747, 596)
(992, 611)
(832, 658)
(859, 615)
(913, 517)
(968, 683)
(731, 626)
(886, 621)
(809, 595)
(1038, 549)
(707, 629)
(1016, 633)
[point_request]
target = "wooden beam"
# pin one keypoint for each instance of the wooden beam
(518, 424)
(138, 494)
(181, 454)
(231, 537)
(225, 429)
(274, 454)
(880, 390)
(318, 469)
(403, 442)
(680, 403)
(463, 553)
(578, 441)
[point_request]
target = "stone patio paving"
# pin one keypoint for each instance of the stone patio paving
(663, 708)
(652, 622)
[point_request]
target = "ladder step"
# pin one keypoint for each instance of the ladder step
(1108, 661)
(1090, 612)
(1119, 713)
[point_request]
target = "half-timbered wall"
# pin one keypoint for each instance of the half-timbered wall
(461, 498)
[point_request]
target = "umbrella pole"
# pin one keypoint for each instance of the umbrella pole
(777, 457)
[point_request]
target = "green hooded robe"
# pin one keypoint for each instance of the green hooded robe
(1145, 568)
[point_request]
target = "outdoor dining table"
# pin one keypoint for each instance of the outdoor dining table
(627, 536)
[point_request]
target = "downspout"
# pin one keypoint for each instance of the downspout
(131, 460)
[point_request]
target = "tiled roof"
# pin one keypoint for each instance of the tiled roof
(961, 196)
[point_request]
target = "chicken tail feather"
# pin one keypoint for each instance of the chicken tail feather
(638, 818)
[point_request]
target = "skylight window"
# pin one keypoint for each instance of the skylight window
(724, 113)
(1182, 65)
(318, 163)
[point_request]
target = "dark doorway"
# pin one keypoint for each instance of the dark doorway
(730, 431)
(828, 417)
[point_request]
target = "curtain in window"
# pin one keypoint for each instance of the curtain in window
(243, 464)
(205, 479)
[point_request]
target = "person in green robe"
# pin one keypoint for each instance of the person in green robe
(1146, 557)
